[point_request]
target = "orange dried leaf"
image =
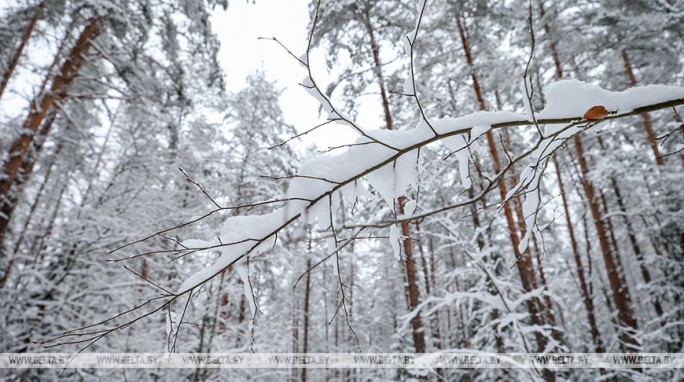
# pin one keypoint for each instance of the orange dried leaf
(596, 113)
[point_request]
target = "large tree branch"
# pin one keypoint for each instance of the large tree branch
(377, 157)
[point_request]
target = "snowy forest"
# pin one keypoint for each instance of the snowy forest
(518, 189)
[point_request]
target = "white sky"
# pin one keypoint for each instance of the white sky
(242, 53)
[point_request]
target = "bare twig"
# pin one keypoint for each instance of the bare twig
(411, 42)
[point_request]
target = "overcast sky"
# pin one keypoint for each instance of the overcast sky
(242, 53)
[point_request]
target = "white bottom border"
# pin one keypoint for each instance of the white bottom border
(460, 360)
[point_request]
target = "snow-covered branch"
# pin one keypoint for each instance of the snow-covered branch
(387, 161)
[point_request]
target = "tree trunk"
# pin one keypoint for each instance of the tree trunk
(495, 314)
(630, 230)
(619, 289)
(29, 218)
(378, 67)
(38, 245)
(433, 282)
(20, 49)
(412, 291)
(619, 292)
(430, 284)
(645, 117)
(548, 307)
(634, 243)
(295, 325)
(295, 330)
(553, 44)
(19, 148)
(584, 289)
(7, 208)
(412, 284)
(307, 295)
(224, 312)
(523, 263)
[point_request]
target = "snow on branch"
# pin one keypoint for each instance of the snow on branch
(323, 180)
(388, 161)
(333, 175)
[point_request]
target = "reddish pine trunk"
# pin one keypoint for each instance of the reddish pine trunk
(19, 148)
(7, 208)
(522, 262)
(631, 234)
(469, 60)
(548, 308)
(378, 67)
(20, 49)
(145, 272)
(412, 292)
(554, 44)
(584, 289)
(648, 126)
(618, 287)
(412, 284)
(29, 218)
(584, 286)
(241, 310)
(224, 313)
(27, 166)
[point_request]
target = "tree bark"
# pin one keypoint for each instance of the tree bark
(39, 242)
(20, 49)
(307, 295)
(375, 48)
(547, 309)
(553, 45)
(620, 292)
(631, 235)
(584, 289)
(29, 218)
(224, 312)
(618, 287)
(412, 284)
(19, 148)
(412, 291)
(495, 314)
(645, 117)
(522, 262)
